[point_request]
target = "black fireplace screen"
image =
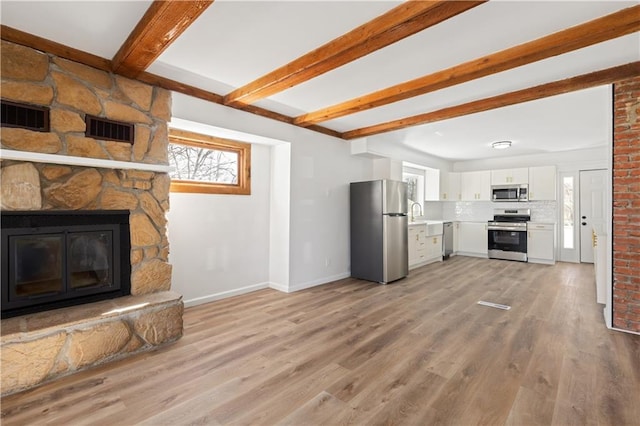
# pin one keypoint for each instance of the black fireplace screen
(58, 259)
(90, 262)
(36, 264)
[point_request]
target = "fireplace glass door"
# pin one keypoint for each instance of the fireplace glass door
(45, 267)
(90, 260)
(37, 265)
(64, 264)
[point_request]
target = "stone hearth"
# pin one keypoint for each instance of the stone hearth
(40, 347)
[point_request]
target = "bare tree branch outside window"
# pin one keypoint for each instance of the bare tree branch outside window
(190, 163)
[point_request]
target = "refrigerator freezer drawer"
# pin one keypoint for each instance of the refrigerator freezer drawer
(395, 248)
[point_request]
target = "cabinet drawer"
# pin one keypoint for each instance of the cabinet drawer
(540, 226)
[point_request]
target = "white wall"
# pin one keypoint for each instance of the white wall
(280, 216)
(321, 169)
(387, 168)
(220, 243)
(376, 148)
(565, 160)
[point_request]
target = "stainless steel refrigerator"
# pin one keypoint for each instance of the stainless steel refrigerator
(379, 249)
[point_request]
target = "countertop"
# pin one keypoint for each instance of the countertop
(426, 222)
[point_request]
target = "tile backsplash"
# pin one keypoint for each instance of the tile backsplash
(481, 211)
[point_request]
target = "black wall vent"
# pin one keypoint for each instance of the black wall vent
(100, 128)
(25, 116)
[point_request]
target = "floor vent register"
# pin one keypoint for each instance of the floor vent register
(494, 305)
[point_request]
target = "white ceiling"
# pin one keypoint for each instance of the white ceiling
(234, 42)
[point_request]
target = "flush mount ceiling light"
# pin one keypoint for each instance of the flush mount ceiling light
(501, 144)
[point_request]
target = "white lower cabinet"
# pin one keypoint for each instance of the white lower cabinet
(434, 247)
(599, 242)
(456, 232)
(541, 242)
(417, 249)
(424, 248)
(472, 239)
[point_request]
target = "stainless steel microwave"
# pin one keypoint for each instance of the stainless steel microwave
(510, 192)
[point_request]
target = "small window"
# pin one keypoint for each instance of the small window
(208, 164)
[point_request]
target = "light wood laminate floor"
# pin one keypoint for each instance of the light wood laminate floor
(419, 351)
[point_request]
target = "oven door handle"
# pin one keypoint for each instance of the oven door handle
(507, 228)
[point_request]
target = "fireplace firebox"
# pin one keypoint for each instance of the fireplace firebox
(55, 259)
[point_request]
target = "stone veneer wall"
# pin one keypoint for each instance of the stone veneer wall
(626, 205)
(70, 339)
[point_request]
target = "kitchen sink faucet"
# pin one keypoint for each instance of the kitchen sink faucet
(413, 218)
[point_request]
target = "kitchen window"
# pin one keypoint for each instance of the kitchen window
(414, 178)
(208, 164)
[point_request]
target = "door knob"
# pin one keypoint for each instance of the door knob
(584, 223)
(584, 217)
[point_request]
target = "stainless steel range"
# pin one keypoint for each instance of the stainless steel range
(508, 234)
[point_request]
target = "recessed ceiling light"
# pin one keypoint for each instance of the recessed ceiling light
(501, 144)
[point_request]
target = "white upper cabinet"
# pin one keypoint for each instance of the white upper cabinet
(476, 186)
(510, 176)
(432, 184)
(449, 186)
(542, 183)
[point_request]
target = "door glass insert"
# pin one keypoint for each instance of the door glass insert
(567, 212)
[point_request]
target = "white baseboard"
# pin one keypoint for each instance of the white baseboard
(225, 294)
(426, 262)
(280, 287)
(542, 261)
(309, 284)
(625, 331)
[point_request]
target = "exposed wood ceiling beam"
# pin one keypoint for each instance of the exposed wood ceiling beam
(400, 22)
(160, 26)
(608, 27)
(585, 81)
(60, 50)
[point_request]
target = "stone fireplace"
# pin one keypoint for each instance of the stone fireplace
(63, 172)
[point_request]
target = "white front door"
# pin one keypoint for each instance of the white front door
(593, 184)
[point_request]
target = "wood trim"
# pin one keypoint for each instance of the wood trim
(605, 28)
(206, 141)
(559, 87)
(160, 26)
(400, 22)
(208, 188)
(243, 187)
(57, 49)
(176, 86)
